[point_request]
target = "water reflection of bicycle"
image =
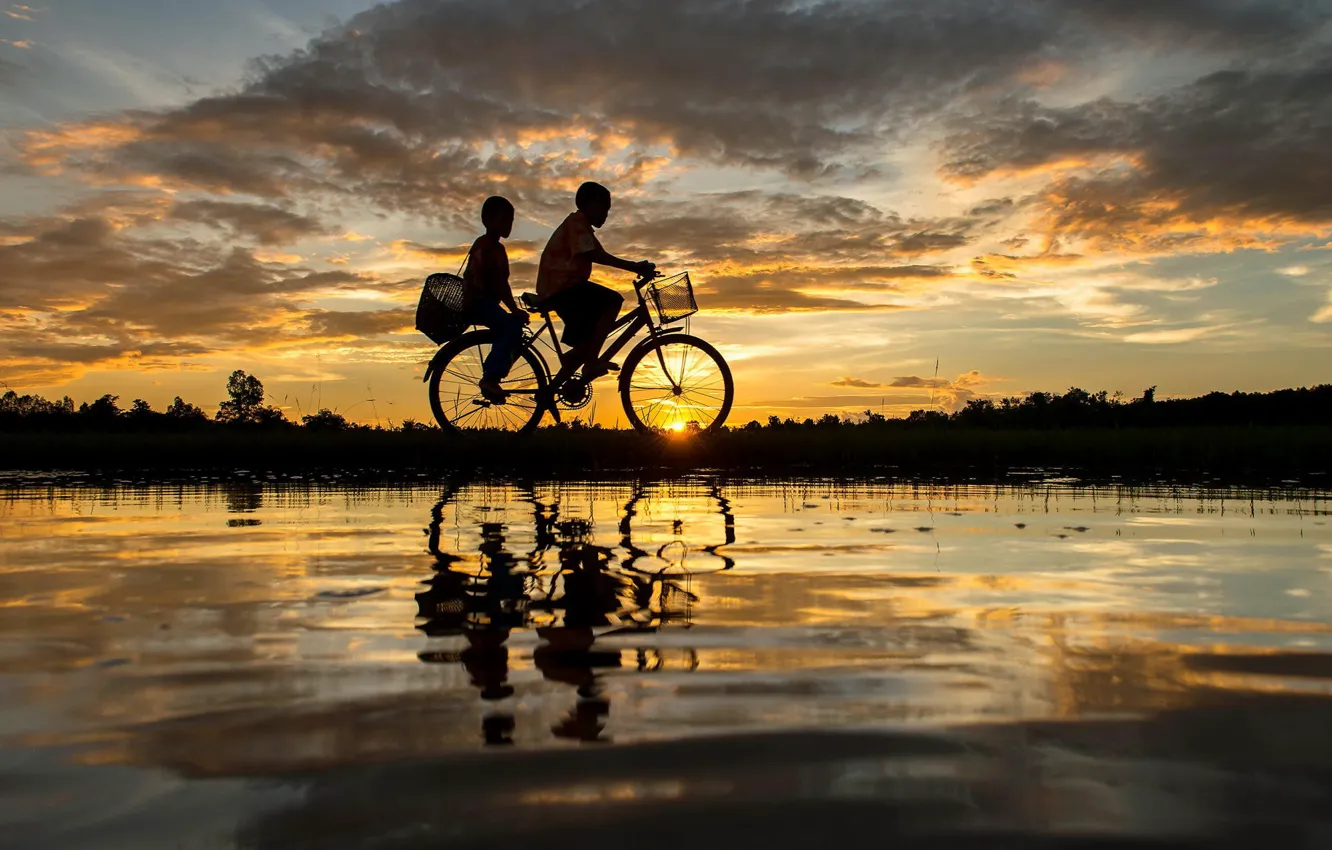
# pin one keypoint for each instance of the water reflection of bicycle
(586, 596)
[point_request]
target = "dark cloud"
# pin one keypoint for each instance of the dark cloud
(1267, 24)
(1243, 146)
(756, 227)
(858, 383)
(948, 394)
(395, 106)
(774, 252)
(267, 225)
(399, 108)
(906, 382)
(82, 291)
(91, 354)
(10, 72)
(360, 324)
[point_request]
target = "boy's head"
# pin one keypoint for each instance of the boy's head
(594, 201)
(497, 216)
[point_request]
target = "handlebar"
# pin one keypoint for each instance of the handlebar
(644, 278)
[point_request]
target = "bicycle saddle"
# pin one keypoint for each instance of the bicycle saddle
(533, 303)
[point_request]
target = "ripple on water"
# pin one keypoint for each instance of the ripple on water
(1117, 658)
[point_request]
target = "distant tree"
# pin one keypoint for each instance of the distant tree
(247, 399)
(104, 409)
(752, 425)
(22, 406)
(246, 405)
(325, 420)
(828, 420)
(774, 421)
(270, 416)
(927, 417)
(183, 412)
(141, 409)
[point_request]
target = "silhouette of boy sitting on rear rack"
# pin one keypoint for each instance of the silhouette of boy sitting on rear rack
(485, 286)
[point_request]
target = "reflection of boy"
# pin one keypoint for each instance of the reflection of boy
(485, 285)
(588, 309)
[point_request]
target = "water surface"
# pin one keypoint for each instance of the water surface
(261, 663)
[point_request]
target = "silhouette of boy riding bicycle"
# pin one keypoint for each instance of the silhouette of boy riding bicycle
(497, 377)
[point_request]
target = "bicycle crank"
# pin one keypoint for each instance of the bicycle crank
(575, 393)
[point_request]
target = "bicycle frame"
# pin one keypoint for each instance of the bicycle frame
(627, 327)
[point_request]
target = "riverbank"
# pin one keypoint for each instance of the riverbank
(1259, 453)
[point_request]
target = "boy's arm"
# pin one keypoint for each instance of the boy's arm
(499, 284)
(506, 295)
(602, 257)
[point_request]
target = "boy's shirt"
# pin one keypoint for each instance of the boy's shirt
(487, 272)
(564, 262)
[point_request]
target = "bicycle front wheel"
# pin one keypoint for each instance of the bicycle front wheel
(457, 402)
(677, 383)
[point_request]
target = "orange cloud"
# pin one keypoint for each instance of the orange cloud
(1043, 74)
(1324, 314)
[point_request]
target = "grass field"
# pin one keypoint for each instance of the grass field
(1267, 453)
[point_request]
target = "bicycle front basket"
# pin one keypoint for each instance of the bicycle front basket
(439, 314)
(673, 298)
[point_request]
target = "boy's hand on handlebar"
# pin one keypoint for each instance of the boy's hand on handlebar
(645, 269)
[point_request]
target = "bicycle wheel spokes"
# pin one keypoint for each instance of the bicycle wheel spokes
(458, 400)
(678, 385)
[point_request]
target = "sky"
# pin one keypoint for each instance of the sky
(884, 204)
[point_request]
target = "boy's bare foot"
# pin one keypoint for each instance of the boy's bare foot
(491, 390)
(597, 368)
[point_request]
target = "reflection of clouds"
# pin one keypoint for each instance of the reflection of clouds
(295, 635)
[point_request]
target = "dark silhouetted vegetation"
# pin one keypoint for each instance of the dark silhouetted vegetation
(244, 409)
(1228, 454)
(1282, 433)
(1078, 408)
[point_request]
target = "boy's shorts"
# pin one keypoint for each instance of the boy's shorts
(580, 306)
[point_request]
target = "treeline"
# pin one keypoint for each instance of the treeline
(245, 408)
(1078, 408)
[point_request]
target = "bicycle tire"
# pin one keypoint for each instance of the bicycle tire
(717, 392)
(465, 399)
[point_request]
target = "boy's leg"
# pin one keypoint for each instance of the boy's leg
(573, 309)
(590, 310)
(608, 305)
(500, 359)
(508, 330)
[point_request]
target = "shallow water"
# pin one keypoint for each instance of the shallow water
(261, 663)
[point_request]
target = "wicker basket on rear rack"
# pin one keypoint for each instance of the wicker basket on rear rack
(439, 314)
(672, 298)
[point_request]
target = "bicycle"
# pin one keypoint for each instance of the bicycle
(670, 381)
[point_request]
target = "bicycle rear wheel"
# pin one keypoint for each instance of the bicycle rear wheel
(677, 383)
(457, 402)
